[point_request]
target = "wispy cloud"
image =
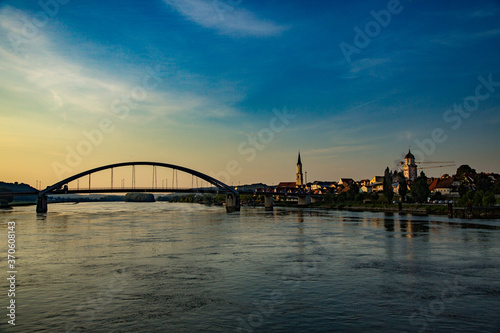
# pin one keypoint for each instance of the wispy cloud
(237, 21)
(459, 37)
(364, 64)
(52, 81)
(72, 92)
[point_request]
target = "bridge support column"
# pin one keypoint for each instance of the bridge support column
(268, 202)
(41, 204)
(232, 202)
(315, 199)
(304, 200)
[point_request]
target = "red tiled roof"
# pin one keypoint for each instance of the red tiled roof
(287, 184)
(434, 183)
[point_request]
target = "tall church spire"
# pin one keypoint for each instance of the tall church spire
(299, 179)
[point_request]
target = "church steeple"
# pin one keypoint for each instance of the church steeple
(410, 167)
(299, 180)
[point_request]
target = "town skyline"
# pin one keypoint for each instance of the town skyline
(226, 176)
(242, 86)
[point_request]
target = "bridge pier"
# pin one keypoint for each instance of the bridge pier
(41, 204)
(232, 202)
(304, 200)
(268, 202)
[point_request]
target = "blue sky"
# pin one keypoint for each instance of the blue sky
(222, 67)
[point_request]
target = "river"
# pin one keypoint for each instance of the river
(163, 267)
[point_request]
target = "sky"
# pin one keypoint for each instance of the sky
(235, 88)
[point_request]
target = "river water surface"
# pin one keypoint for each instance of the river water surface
(162, 267)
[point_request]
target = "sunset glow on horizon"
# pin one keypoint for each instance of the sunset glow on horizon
(241, 86)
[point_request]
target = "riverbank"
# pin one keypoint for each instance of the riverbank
(410, 209)
(17, 204)
(415, 209)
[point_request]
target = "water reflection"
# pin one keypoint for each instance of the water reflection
(300, 218)
(389, 225)
(194, 268)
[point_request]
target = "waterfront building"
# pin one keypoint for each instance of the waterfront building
(367, 188)
(346, 181)
(377, 179)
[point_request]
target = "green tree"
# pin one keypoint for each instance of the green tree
(139, 197)
(403, 186)
(462, 190)
(329, 198)
(496, 189)
(478, 198)
(489, 199)
(373, 196)
(419, 189)
(219, 199)
(388, 190)
(463, 169)
(353, 191)
(360, 197)
(483, 182)
(467, 198)
(208, 198)
(6, 200)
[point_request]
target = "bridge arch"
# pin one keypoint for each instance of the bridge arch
(42, 195)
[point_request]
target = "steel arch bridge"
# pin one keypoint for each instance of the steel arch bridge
(232, 196)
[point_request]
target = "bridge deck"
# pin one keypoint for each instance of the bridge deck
(105, 190)
(137, 189)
